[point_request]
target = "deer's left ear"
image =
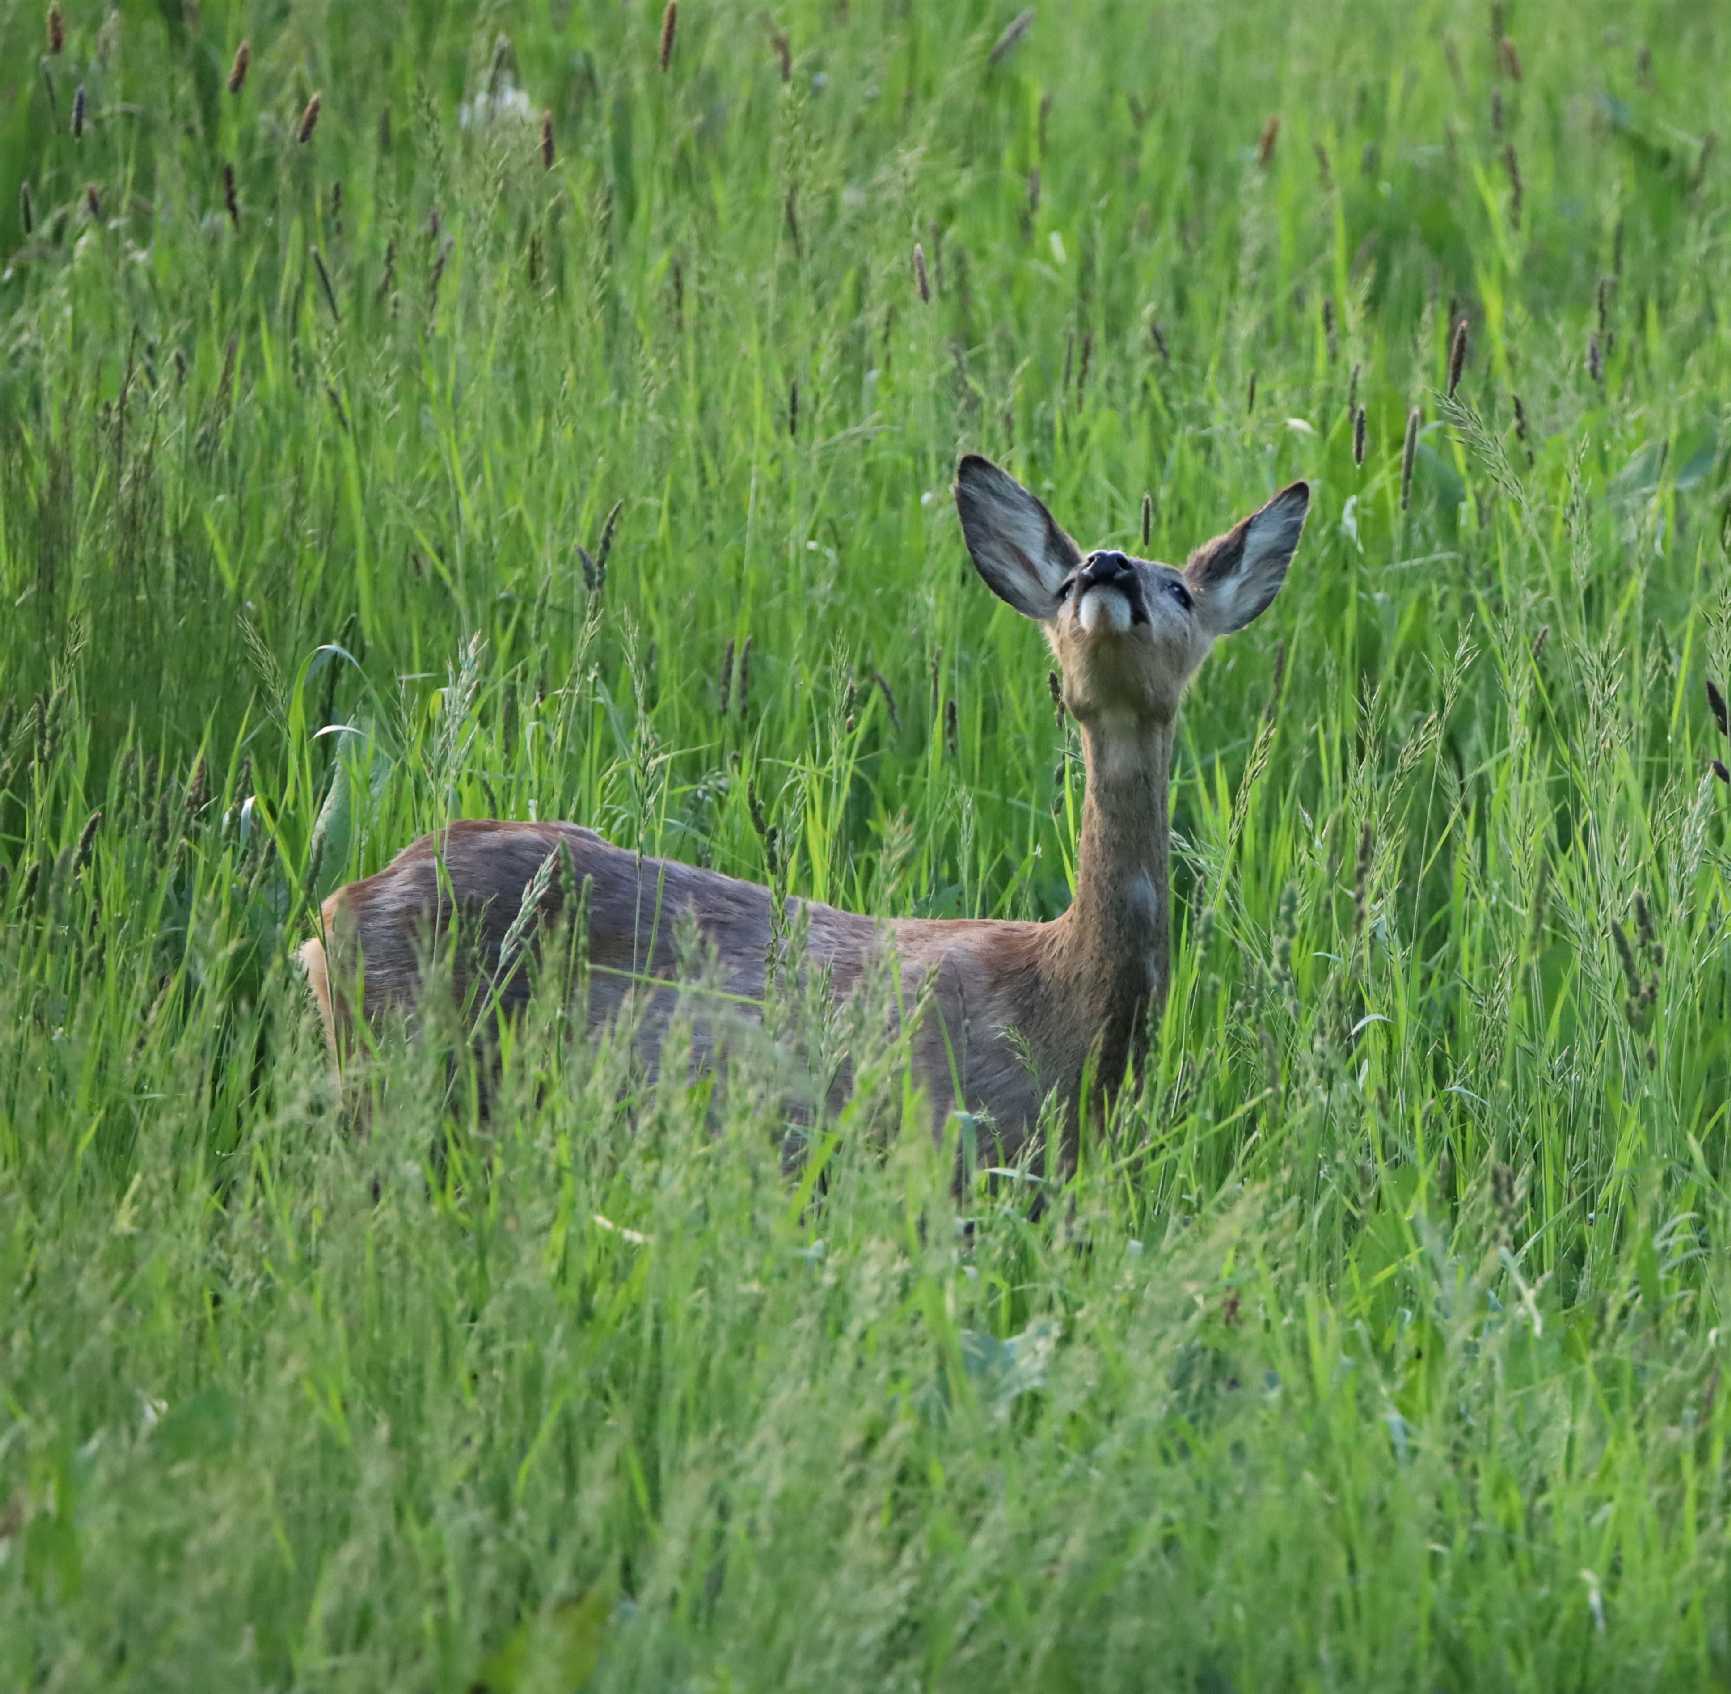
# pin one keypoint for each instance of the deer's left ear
(1235, 576)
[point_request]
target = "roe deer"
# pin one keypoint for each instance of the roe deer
(1015, 1011)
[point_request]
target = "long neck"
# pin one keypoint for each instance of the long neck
(1114, 944)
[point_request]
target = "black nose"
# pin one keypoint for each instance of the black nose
(1101, 568)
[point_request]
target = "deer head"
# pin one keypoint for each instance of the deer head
(1128, 633)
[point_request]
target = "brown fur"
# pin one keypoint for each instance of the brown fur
(1018, 1011)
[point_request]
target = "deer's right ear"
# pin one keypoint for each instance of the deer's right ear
(1016, 544)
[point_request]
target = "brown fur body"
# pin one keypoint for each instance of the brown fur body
(1013, 1012)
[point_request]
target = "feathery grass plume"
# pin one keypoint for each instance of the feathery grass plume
(1512, 164)
(325, 282)
(1408, 453)
(230, 198)
(1716, 705)
(1006, 43)
(1324, 168)
(1539, 641)
(1509, 59)
(26, 208)
(920, 278)
(783, 53)
(78, 104)
(1147, 518)
(669, 29)
(1361, 876)
(548, 155)
(56, 30)
(93, 200)
(1487, 448)
(309, 120)
(1265, 142)
(242, 62)
(1358, 436)
(1457, 357)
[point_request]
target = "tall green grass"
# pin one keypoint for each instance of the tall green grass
(1378, 1343)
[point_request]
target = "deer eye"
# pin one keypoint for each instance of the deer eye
(1179, 593)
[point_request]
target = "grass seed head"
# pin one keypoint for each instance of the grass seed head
(783, 53)
(547, 152)
(309, 120)
(1007, 43)
(1358, 436)
(56, 30)
(1324, 168)
(1408, 454)
(93, 200)
(1457, 356)
(1716, 705)
(86, 837)
(1595, 358)
(78, 105)
(921, 280)
(1266, 141)
(242, 63)
(1147, 518)
(1509, 59)
(26, 209)
(230, 199)
(1512, 164)
(1520, 418)
(669, 29)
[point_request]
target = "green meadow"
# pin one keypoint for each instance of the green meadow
(540, 411)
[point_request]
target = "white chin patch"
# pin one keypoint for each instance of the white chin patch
(1104, 608)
